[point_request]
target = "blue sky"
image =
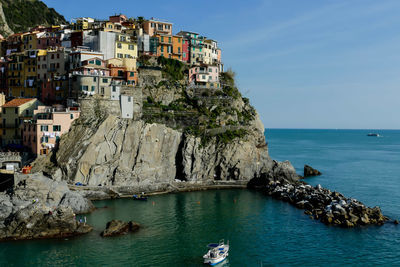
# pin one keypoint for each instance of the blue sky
(303, 64)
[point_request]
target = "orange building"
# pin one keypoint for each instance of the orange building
(119, 72)
(177, 47)
(164, 48)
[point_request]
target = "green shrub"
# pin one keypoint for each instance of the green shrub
(173, 69)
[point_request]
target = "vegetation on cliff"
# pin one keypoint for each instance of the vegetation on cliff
(219, 114)
(21, 15)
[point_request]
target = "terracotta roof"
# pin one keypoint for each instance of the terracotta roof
(17, 102)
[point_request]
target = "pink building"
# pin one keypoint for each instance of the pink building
(204, 75)
(185, 50)
(47, 126)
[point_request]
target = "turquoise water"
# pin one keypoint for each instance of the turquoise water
(261, 231)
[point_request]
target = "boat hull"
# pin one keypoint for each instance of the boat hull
(213, 262)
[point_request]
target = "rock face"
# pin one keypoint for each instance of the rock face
(322, 204)
(41, 208)
(116, 227)
(309, 171)
(40, 221)
(136, 156)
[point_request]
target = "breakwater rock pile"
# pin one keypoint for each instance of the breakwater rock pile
(39, 207)
(329, 207)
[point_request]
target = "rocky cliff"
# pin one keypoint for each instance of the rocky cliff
(226, 145)
(39, 207)
(21, 15)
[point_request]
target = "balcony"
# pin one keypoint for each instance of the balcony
(165, 42)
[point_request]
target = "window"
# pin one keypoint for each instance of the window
(98, 62)
(131, 47)
(52, 56)
(179, 40)
(44, 139)
(105, 80)
(85, 88)
(93, 88)
(162, 38)
(169, 39)
(16, 110)
(72, 116)
(127, 56)
(27, 112)
(152, 25)
(102, 90)
(179, 49)
(58, 55)
(119, 45)
(94, 79)
(119, 55)
(44, 128)
(91, 62)
(162, 48)
(56, 128)
(132, 74)
(114, 89)
(129, 99)
(58, 65)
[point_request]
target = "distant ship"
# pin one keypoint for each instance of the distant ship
(373, 134)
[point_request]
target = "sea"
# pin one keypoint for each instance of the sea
(261, 231)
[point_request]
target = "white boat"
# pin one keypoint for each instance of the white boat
(217, 252)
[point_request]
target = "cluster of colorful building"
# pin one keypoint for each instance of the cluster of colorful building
(49, 68)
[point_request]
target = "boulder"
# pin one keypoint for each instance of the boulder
(309, 171)
(77, 202)
(39, 221)
(41, 208)
(117, 227)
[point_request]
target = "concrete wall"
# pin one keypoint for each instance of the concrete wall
(126, 107)
(107, 44)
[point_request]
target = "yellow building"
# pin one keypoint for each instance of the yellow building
(30, 40)
(30, 75)
(82, 24)
(12, 115)
(16, 71)
(112, 27)
(126, 49)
